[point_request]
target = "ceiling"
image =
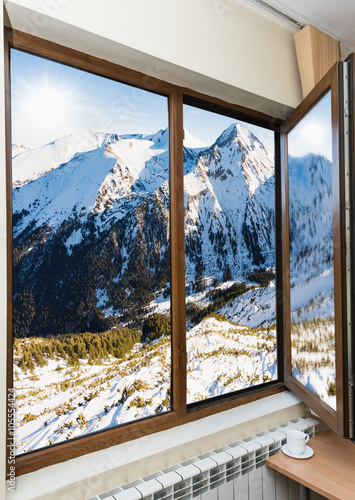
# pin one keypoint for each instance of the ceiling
(336, 18)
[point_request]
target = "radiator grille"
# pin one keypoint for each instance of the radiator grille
(205, 473)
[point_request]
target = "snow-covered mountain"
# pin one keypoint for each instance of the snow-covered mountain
(91, 223)
(311, 216)
(229, 199)
(91, 215)
(29, 164)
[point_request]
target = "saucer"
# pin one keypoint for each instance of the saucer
(308, 452)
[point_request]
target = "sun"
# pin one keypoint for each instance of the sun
(48, 105)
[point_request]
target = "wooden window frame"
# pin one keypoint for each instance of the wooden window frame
(181, 413)
(337, 420)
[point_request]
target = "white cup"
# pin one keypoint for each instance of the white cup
(296, 441)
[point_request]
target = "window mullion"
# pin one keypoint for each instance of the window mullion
(177, 253)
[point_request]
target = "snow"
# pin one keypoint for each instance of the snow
(101, 297)
(34, 163)
(223, 357)
(17, 149)
(74, 239)
(110, 175)
(313, 356)
(192, 142)
(51, 199)
(254, 308)
(73, 402)
(77, 401)
(320, 290)
(229, 187)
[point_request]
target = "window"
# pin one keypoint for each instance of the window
(229, 193)
(91, 252)
(316, 251)
(312, 253)
(129, 242)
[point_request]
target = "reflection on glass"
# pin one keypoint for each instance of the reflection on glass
(311, 252)
(230, 254)
(91, 251)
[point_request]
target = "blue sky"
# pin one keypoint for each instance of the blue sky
(313, 134)
(208, 126)
(50, 100)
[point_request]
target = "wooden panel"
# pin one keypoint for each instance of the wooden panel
(241, 488)
(316, 54)
(255, 484)
(269, 484)
(331, 470)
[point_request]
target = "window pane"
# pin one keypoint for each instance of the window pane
(230, 254)
(311, 252)
(91, 252)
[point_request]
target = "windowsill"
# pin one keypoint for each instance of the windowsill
(94, 473)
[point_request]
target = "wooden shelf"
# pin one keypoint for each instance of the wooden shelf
(331, 470)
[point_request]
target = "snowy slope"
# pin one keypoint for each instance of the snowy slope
(36, 162)
(54, 197)
(223, 357)
(57, 402)
(17, 149)
(313, 357)
(192, 142)
(89, 182)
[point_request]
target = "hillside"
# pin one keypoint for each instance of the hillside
(61, 400)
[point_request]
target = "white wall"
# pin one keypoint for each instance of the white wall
(220, 47)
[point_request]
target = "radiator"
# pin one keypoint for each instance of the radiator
(234, 472)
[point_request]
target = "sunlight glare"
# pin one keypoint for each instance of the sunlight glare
(314, 134)
(48, 105)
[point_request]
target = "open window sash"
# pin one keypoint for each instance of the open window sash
(314, 313)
